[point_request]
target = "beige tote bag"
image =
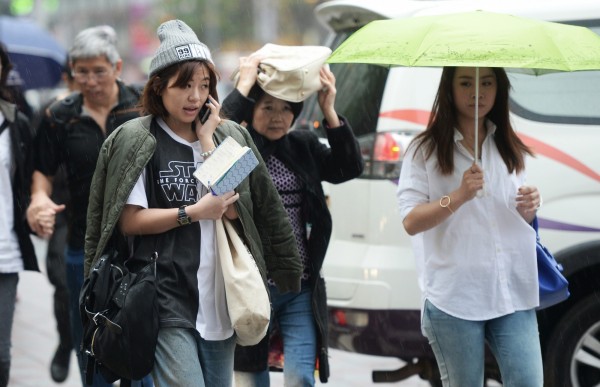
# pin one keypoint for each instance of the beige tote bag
(248, 302)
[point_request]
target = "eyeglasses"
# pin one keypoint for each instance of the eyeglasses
(82, 76)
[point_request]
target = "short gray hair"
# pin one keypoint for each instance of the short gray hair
(95, 41)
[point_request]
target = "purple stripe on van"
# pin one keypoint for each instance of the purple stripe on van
(554, 225)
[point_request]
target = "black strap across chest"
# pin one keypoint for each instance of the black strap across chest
(4, 125)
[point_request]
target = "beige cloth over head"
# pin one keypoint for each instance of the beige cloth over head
(290, 73)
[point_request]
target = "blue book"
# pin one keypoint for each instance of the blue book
(226, 167)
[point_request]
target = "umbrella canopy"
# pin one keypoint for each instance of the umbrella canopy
(36, 56)
(473, 39)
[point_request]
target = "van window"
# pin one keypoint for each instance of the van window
(561, 97)
(359, 93)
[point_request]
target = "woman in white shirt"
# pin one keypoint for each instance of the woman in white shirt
(469, 220)
(16, 248)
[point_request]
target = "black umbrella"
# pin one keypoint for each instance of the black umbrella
(36, 56)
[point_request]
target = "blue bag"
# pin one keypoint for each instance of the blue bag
(554, 287)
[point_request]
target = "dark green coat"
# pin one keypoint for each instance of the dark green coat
(266, 227)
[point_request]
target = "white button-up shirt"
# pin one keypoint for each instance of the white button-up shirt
(480, 263)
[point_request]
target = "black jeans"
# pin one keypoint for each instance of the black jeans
(55, 266)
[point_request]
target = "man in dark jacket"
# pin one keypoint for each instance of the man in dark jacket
(72, 134)
(55, 255)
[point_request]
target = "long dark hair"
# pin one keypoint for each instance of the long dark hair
(439, 135)
(6, 67)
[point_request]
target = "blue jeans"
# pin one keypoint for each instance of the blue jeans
(293, 313)
(459, 347)
(74, 268)
(183, 358)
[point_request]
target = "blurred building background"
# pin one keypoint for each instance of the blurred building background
(230, 28)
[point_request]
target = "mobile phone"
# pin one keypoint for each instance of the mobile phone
(204, 113)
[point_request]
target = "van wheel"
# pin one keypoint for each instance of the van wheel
(572, 355)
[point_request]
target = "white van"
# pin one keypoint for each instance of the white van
(374, 298)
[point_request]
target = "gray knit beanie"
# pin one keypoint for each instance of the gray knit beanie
(178, 43)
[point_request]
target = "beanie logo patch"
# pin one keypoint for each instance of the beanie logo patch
(193, 51)
(184, 52)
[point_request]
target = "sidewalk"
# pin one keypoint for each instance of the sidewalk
(34, 335)
(34, 340)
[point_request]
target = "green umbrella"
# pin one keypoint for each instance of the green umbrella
(473, 39)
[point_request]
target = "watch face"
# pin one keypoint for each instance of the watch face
(184, 221)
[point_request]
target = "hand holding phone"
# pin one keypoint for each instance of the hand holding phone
(204, 112)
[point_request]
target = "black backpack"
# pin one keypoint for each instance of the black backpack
(119, 312)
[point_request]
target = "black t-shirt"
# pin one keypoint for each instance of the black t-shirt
(170, 184)
(69, 137)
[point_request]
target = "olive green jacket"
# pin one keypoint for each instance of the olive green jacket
(265, 224)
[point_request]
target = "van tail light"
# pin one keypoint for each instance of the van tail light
(339, 317)
(383, 153)
(346, 318)
(386, 149)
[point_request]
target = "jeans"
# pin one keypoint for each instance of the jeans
(74, 269)
(8, 296)
(183, 358)
(459, 347)
(293, 314)
(55, 266)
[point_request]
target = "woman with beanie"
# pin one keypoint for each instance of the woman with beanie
(297, 162)
(163, 208)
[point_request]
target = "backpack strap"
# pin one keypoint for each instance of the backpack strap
(62, 111)
(90, 368)
(4, 125)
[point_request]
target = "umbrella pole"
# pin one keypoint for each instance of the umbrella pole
(476, 145)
